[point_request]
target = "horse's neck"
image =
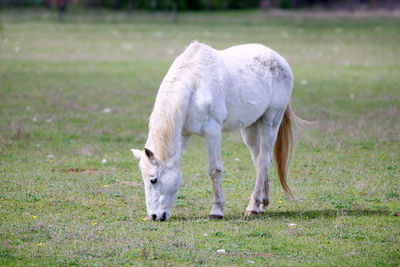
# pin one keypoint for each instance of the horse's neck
(174, 154)
(174, 149)
(166, 124)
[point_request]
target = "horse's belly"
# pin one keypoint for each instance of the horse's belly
(244, 110)
(239, 120)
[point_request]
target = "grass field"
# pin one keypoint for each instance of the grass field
(78, 91)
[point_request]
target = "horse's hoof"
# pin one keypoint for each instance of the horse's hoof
(216, 217)
(262, 209)
(249, 213)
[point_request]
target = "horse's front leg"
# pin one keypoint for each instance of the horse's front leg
(213, 140)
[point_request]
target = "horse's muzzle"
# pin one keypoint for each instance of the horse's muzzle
(162, 218)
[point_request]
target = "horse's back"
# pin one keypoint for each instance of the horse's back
(238, 84)
(259, 79)
(257, 61)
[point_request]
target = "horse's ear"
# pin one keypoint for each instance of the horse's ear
(149, 154)
(137, 153)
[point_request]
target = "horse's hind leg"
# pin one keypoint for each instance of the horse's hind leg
(265, 201)
(260, 139)
(251, 137)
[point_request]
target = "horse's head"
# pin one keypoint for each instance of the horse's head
(161, 184)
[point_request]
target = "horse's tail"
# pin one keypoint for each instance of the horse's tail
(284, 146)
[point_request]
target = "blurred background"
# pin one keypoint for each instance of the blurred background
(78, 80)
(185, 5)
(175, 6)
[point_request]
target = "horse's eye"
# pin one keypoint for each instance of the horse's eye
(153, 181)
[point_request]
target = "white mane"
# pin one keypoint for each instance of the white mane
(173, 97)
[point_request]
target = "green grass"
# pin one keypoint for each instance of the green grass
(57, 78)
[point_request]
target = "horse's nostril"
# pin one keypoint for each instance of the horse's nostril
(154, 217)
(163, 217)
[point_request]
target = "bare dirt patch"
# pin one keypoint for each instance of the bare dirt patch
(303, 171)
(76, 170)
(130, 183)
(88, 151)
(249, 254)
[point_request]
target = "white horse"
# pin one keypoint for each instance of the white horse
(207, 91)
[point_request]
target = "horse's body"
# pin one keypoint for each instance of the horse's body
(205, 92)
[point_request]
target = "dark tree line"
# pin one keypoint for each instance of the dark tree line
(194, 4)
